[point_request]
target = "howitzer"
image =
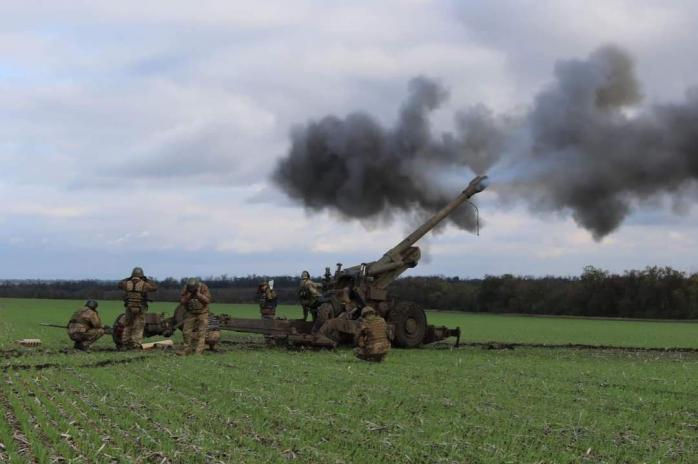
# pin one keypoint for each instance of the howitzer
(367, 285)
(369, 281)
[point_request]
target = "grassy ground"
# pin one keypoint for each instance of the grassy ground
(248, 403)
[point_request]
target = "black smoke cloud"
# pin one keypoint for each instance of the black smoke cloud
(587, 146)
(359, 168)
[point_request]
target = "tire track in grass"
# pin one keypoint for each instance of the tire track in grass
(159, 416)
(54, 412)
(93, 428)
(116, 419)
(246, 431)
(22, 442)
(148, 415)
(37, 413)
(211, 414)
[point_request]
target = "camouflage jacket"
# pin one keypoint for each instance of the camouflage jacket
(85, 319)
(309, 292)
(373, 336)
(267, 297)
(196, 302)
(136, 291)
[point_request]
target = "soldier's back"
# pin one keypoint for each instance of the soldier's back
(376, 344)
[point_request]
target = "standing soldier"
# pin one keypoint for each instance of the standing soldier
(136, 290)
(85, 326)
(309, 294)
(267, 299)
(372, 343)
(195, 298)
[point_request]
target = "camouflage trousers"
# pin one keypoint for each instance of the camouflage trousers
(374, 352)
(194, 329)
(134, 323)
(84, 338)
(371, 357)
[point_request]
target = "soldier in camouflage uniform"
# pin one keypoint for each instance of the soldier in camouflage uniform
(85, 326)
(136, 290)
(309, 294)
(267, 300)
(195, 297)
(372, 343)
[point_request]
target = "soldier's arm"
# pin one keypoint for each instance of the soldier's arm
(361, 338)
(203, 294)
(150, 286)
(185, 296)
(122, 284)
(314, 288)
(95, 321)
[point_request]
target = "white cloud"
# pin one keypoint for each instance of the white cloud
(149, 129)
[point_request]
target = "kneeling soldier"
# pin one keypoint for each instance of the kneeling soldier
(372, 343)
(85, 326)
(195, 298)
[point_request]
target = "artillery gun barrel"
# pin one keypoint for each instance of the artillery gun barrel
(58, 326)
(477, 185)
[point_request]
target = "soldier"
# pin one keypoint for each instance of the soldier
(195, 297)
(309, 294)
(372, 343)
(136, 290)
(267, 300)
(85, 326)
(326, 311)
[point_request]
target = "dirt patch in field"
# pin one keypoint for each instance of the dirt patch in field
(103, 363)
(574, 346)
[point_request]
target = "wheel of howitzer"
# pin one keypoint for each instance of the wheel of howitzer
(410, 324)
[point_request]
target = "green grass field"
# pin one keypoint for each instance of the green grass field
(248, 403)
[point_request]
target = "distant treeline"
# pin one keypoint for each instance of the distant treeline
(655, 292)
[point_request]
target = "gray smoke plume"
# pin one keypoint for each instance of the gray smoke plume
(586, 147)
(363, 170)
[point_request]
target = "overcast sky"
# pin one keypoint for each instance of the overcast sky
(145, 132)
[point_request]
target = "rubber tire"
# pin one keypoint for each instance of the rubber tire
(410, 324)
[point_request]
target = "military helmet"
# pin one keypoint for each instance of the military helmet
(305, 275)
(192, 283)
(137, 272)
(367, 310)
(92, 304)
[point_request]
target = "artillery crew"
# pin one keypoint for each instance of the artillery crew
(195, 297)
(372, 343)
(267, 300)
(85, 326)
(309, 294)
(136, 290)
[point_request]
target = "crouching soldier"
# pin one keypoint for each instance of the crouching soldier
(267, 300)
(372, 343)
(195, 298)
(85, 326)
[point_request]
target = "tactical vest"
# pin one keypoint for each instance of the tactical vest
(195, 306)
(135, 296)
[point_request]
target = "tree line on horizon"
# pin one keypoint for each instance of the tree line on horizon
(652, 293)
